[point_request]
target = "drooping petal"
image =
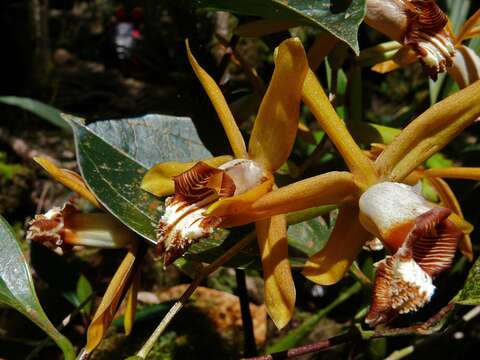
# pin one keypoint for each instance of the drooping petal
(131, 303)
(276, 124)
(111, 299)
(221, 107)
(330, 264)
(159, 179)
(335, 187)
(449, 200)
(70, 179)
(318, 103)
(67, 227)
(279, 287)
(429, 133)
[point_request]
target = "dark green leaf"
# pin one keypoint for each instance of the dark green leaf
(115, 177)
(38, 108)
(153, 138)
(470, 294)
(339, 17)
(17, 290)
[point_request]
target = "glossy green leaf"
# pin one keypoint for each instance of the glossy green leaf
(84, 292)
(153, 138)
(114, 177)
(470, 293)
(17, 289)
(341, 18)
(38, 108)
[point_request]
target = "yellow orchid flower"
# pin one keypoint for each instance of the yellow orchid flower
(423, 137)
(210, 195)
(420, 26)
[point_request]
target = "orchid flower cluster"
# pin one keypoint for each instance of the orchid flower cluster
(378, 200)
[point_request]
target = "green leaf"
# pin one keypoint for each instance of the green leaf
(17, 289)
(84, 291)
(47, 112)
(470, 293)
(341, 18)
(309, 236)
(152, 139)
(114, 177)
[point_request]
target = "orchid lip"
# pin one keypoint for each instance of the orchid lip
(183, 222)
(66, 227)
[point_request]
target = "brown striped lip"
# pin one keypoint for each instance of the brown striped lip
(403, 281)
(183, 222)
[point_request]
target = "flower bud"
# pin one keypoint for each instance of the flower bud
(67, 227)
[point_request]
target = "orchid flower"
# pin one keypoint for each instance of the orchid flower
(419, 25)
(422, 138)
(212, 193)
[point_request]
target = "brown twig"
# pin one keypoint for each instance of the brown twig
(309, 348)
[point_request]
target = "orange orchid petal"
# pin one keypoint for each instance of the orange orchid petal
(158, 180)
(449, 200)
(279, 287)
(70, 179)
(324, 42)
(318, 103)
(429, 133)
(335, 187)
(221, 107)
(239, 203)
(276, 124)
(465, 69)
(468, 173)
(131, 303)
(111, 300)
(330, 264)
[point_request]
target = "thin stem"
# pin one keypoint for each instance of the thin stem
(250, 348)
(147, 347)
(308, 349)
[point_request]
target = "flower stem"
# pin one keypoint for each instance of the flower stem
(147, 347)
(250, 348)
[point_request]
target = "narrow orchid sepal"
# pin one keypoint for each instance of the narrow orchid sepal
(467, 173)
(318, 103)
(221, 107)
(429, 133)
(279, 287)
(69, 178)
